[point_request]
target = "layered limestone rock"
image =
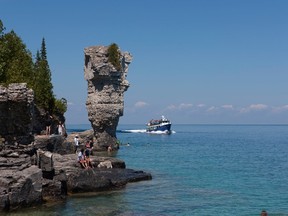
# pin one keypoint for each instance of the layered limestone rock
(30, 175)
(16, 116)
(20, 118)
(106, 87)
(20, 180)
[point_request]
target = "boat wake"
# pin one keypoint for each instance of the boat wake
(144, 131)
(132, 131)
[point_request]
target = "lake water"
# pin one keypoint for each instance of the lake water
(197, 170)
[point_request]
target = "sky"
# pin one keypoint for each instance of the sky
(196, 62)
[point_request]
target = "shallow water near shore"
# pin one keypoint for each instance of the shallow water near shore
(197, 170)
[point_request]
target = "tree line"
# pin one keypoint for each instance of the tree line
(18, 66)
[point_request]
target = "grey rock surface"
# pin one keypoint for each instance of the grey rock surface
(17, 112)
(106, 87)
(30, 175)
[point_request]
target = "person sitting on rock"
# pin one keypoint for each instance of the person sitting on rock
(87, 147)
(81, 159)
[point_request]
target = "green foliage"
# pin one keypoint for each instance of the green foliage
(1, 28)
(43, 50)
(60, 106)
(114, 56)
(16, 63)
(43, 88)
(16, 66)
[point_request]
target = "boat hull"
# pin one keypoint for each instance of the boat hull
(161, 128)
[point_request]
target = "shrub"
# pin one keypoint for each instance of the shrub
(114, 56)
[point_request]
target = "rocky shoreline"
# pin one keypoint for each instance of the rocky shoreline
(47, 170)
(37, 168)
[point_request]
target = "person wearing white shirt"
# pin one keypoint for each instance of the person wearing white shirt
(76, 141)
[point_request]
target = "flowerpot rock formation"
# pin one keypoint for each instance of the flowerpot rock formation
(106, 87)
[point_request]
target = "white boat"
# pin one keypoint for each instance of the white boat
(161, 125)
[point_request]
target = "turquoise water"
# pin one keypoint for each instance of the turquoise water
(198, 170)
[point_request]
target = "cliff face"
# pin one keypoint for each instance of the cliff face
(106, 87)
(16, 116)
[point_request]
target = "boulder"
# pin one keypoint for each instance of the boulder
(93, 180)
(21, 188)
(45, 161)
(96, 179)
(105, 164)
(53, 143)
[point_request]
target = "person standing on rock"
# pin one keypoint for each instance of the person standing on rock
(87, 154)
(48, 124)
(60, 127)
(76, 141)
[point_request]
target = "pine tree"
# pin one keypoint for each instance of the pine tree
(43, 50)
(43, 88)
(2, 28)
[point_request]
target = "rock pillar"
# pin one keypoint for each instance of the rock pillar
(106, 87)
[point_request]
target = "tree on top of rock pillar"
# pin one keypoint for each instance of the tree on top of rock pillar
(114, 56)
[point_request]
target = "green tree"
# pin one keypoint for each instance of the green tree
(16, 64)
(43, 88)
(60, 106)
(2, 28)
(114, 56)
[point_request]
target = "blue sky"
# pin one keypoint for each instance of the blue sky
(199, 62)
